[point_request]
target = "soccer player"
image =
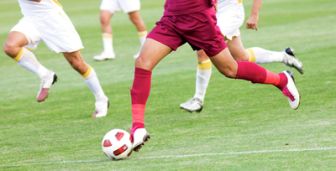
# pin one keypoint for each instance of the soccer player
(194, 22)
(230, 17)
(107, 9)
(45, 20)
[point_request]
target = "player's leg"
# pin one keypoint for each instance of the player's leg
(133, 9)
(203, 75)
(107, 9)
(76, 61)
(15, 48)
(209, 38)
(237, 49)
(150, 55)
(138, 22)
(230, 19)
(225, 63)
(260, 55)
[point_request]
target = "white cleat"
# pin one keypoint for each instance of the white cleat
(101, 108)
(291, 61)
(291, 92)
(46, 82)
(104, 56)
(139, 137)
(192, 105)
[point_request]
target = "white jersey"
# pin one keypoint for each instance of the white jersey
(29, 8)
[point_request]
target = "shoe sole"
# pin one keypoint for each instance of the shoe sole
(191, 111)
(139, 146)
(45, 91)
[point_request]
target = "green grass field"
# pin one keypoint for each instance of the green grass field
(242, 127)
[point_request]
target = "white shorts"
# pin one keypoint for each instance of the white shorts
(54, 28)
(120, 5)
(229, 19)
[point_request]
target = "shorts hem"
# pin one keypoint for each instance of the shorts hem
(162, 42)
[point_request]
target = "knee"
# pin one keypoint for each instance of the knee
(105, 19)
(104, 22)
(141, 62)
(11, 49)
(229, 72)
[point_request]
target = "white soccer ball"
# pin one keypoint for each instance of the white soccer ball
(116, 144)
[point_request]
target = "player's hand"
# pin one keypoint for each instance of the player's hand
(252, 22)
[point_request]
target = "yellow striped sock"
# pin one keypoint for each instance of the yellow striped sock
(252, 57)
(107, 35)
(87, 72)
(205, 65)
(142, 33)
(19, 55)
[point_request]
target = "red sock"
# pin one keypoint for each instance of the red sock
(257, 74)
(139, 93)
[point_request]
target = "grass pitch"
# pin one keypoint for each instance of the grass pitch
(243, 126)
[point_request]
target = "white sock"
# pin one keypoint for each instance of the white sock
(27, 60)
(203, 76)
(142, 37)
(108, 43)
(260, 55)
(92, 82)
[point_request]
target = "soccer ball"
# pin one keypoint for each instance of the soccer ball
(116, 144)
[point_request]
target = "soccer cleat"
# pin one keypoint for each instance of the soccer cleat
(138, 137)
(104, 56)
(291, 61)
(290, 91)
(46, 82)
(192, 105)
(101, 108)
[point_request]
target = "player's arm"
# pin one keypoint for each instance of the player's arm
(252, 22)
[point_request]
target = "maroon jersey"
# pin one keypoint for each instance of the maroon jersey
(180, 7)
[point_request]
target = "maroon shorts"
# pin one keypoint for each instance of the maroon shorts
(200, 30)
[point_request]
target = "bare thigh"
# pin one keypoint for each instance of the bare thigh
(151, 54)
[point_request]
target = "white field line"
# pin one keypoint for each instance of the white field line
(178, 156)
(237, 153)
